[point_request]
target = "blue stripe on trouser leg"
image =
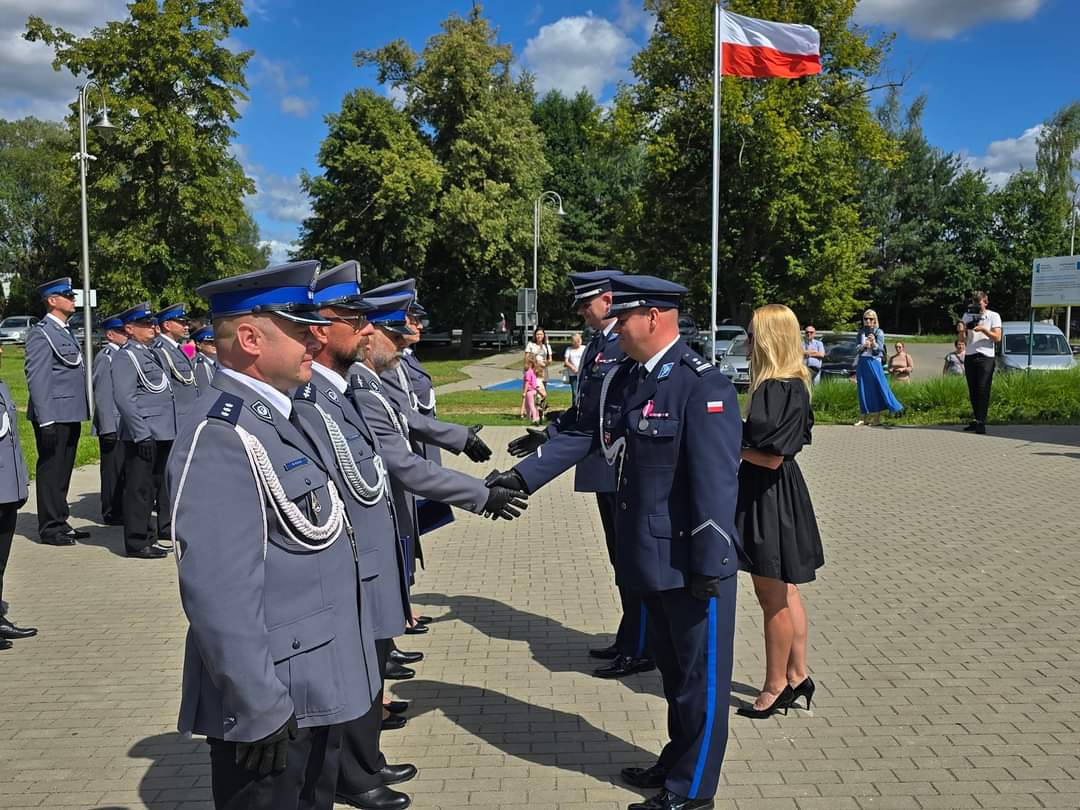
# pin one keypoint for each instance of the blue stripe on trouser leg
(710, 701)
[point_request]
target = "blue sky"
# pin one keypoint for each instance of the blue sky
(993, 69)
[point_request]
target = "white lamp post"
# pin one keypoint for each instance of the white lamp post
(551, 197)
(100, 121)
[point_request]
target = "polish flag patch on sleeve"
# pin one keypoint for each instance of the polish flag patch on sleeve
(716, 406)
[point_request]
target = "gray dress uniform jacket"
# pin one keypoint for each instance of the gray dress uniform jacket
(14, 480)
(145, 412)
(182, 377)
(382, 562)
(106, 411)
(55, 375)
(422, 396)
(274, 628)
(410, 473)
(422, 429)
(205, 368)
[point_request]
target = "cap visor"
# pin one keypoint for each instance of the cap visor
(397, 328)
(312, 317)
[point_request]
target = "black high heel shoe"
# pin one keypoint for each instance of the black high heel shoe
(781, 704)
(804, 689)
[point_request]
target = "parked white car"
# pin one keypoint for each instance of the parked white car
(15, 328)
(1050, 350)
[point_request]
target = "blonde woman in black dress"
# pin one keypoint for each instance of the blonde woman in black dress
(774, 515)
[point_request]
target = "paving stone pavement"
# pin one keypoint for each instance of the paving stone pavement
(944, 643)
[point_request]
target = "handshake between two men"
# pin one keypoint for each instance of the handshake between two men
(510, 484)
(506, 502)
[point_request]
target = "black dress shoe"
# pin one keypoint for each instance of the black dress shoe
(58, 540)
(666, 800)
(971, 427)
(980, 429)
(167, 549)
(396, 774)
(5, 644)
(394, 722)
(650, 778)
(402, 657)
(396, 672)
(605, 653)
(397, 706)
(624, 665)
(380, 798)
(10, 631)
(148, 553)
(416, 630)
(77, 534)
(423, 620)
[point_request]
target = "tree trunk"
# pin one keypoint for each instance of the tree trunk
(465, 350)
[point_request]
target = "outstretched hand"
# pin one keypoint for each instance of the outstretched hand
(475, 448)
(511, 479)
(505, 503)
(526, 445)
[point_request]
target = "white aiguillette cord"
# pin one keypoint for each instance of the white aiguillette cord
(617, 449)
(189, 380)
(153, 388)
(367, 494)
(60, 357)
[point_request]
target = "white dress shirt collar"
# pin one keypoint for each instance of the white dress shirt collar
(610, 326)
(175, 345)
(281, 402)
(650, 364)
(331, 376)
(62, 324)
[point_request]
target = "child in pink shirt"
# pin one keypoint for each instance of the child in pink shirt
(531, 387)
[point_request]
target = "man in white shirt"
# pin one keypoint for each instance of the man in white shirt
(983, 329)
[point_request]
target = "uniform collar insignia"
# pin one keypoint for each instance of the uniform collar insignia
(262, 410)
(665, 370)
(330, 392)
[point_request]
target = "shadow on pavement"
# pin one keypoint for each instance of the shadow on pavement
(169, 754)
(1068, 435)
(539, 735)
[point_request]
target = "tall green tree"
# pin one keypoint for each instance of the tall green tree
(375, 199)
(1057, 164)
(791, 223)
(167, 196)
(463, 100)
(38, 220)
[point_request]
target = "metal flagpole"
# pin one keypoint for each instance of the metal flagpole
(718, 54)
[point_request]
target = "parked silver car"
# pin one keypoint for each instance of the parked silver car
(725, 336)
(1050, 351)
(735, 364)
(15, 328)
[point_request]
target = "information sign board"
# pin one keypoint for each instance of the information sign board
(1055, 281)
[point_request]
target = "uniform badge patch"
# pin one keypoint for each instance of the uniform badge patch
(665, 370)
(262, 410)
(374, 386)
(296, 462)
(332, 394)
(715, 406)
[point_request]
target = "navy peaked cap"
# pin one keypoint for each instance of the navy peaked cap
(140, 312)
(389, 310)
(340, 286)
(203, 335)
(174, 312)
(58, 286)
(591, 284)
(631, 292)
(286, 290)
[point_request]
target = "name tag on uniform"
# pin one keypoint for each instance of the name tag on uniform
(296, 462)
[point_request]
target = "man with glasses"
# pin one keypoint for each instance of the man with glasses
(813, 351)
(56, 378)
(173, 327)
(147, 429)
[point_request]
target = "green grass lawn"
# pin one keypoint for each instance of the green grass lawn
(11, 372)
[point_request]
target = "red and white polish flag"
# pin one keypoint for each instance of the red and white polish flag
(756, 48)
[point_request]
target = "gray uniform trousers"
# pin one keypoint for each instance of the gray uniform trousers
(107, 428)
(276, 622)
(14, 479)
(56, 378)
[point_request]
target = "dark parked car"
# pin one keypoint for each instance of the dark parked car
(841, 352)
(75, 324)
(689, 332)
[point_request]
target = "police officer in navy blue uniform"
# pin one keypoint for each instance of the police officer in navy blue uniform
(672, 432)
(592, 299)
(173, 326)
(144, 395)
(280, 653)
(56, 377)
(107, 424)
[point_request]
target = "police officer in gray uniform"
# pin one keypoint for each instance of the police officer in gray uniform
(56, 377)
(280, 651)
(147, 428)
(14, 482)
(173, 325)
(205, 358)
(348, 448)
(107, 425)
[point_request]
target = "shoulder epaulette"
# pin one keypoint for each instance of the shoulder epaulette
(306, 393)
(227, 408)
(697, 363)
(356, 381)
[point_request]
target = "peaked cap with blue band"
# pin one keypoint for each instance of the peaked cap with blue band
(340, 287)
(114, 322)
(404, 285)
(140, 312)
(591, 284)
(389, 310)
(173, 312)
(203, 335)
(58, 286)
(632, 292)
(285, 290)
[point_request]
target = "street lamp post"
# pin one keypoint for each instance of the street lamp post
(552, 197)
(100, 121)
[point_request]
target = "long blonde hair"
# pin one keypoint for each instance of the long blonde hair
(777, 352)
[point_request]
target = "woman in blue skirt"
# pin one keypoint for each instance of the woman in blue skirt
(875, 395)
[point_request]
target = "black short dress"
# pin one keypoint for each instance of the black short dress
(774, 515)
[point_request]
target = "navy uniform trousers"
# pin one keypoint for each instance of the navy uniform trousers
(632, 635)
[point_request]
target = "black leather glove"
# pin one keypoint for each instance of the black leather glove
(505, 503)
(108, 440)
(526, 445)
(511, 479)
(704, 587)
(47, 437)
(475, 448)
(270, 753)
(145, 449)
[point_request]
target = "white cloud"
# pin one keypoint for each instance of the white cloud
(941, 19)
(633, 17)
(28, 84)
(1005, 157)
(286, 82)
(278, 198)
(576, 52)
(279, 251)
(397, 95)
(300, 107)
